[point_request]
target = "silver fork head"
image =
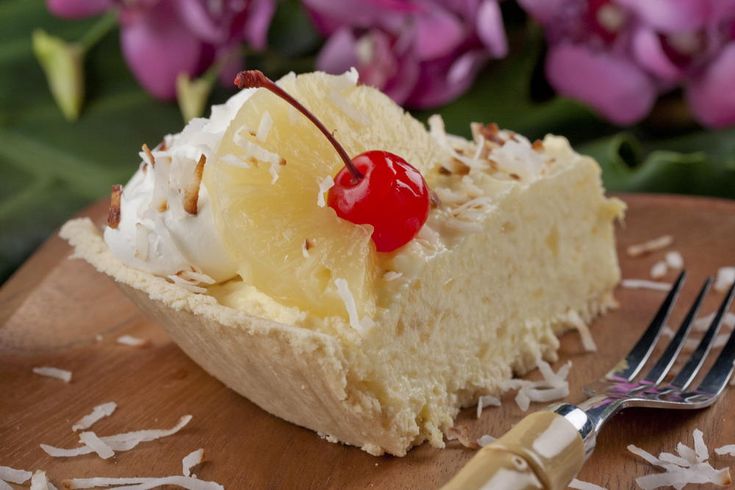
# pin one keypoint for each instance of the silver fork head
(619, 389)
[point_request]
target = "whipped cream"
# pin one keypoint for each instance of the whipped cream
(155, 233)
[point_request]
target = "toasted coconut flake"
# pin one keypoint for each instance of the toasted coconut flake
(650, 246)
(96, 444)
(131, 341)
(120, 442)
(727, 450)
(461, 434)
(485, 440)
(191, 192)
(659, 269)
(645, 284)
(113, 215)
(53, 372)
(725, 278)
(689, 466)
(98, 413)
(584, 485)
(13, 475)
(137, 483)
(264, 127)
(148, 154)
(324, 185)
(486, 401)
(39, 481)
(674, 260)
(588, 342)
(191, 460)
(537, 145)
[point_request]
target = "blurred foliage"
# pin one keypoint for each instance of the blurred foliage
(52, 168)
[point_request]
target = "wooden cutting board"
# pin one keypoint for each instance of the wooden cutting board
(54, 310)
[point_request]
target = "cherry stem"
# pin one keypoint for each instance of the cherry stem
(256, 79)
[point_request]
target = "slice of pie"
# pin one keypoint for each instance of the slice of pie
(224, 236)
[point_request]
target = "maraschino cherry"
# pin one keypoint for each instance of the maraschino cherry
(375, 188)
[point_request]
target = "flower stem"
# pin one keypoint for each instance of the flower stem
(99, 30)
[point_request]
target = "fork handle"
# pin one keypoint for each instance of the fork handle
(542, 451)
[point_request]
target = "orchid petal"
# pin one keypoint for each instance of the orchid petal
(77, 9)
(339, 53)
(710, 95)
(490, 28)
(200, 21)
(613, 86)
(158, 47)
(260, 15)
(403, 81)
(544, 11)
(649, 53)
(671, 15)
(437, 34)
(444, 80)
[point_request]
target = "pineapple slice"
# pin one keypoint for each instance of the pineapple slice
(268, 185)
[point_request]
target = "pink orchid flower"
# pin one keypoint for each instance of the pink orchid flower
(617, 56)
(422, 53)
(164, 38)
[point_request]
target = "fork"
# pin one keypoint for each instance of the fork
(547, 449)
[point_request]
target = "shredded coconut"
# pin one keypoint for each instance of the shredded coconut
(131, 341)
(39, 481)
(460, 434)
(348, 109)
(257, 152)
(688, 466)
(233, 161)
(588, 342)
(119, 442)
(485, 440)
(438, 132)
(674, 260)
(728, 450)
(650, 246)
(53, 372)
(343, 289)
(137, 483)
(517, 157)
(96, 444)
(553, 386)
(99, 412)
(486, 401)
(659, 269)
(725, 278)
(324, 185)
(191, 460)
(264, 128)
(392, 276)
(584, 485)
(186, 284)
(645, 284)
(13, 475)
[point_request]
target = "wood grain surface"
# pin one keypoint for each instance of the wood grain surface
(53, 310)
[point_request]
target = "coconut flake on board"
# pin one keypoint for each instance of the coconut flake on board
(725, 279)
(13, 475)
(142, 483)
(486, 401)
(553, 386)
(644, 248)
(645, 284)
(92, 441)
(39, 481)
(584, 485)
(52, 372)
(98, 413)
(485, 440)
(131, 341)
(674, 260)
(119, 442)
(191, 460)
(727, 450)
(688, 466)
(659, 269)
(575, 321)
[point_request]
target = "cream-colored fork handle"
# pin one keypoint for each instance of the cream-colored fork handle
(543, 451)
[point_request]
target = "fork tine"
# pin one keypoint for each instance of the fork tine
(637, 357)
(659, 371)
(718, 376)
